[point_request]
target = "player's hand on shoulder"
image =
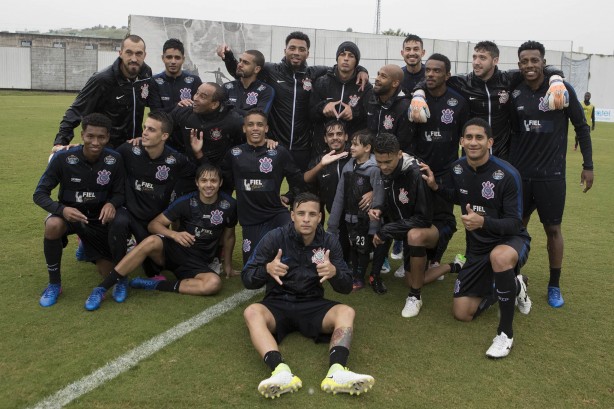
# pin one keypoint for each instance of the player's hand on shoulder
(418, 109)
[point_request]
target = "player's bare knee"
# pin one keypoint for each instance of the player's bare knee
(252, 313)
(55, 228)
(415, 237)
(462, 315)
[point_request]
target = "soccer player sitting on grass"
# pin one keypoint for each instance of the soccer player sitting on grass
(91, 179)
(489, 192)
(293, 262)
(206, 218)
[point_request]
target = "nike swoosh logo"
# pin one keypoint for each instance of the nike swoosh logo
(185, 127)
(325, 176)
(120, 97)
(280, 81)
(472, 98)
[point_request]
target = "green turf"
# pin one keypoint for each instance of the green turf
(561, 358)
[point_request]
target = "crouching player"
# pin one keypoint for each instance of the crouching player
(206, 219)
(293, 262)
(489, 191)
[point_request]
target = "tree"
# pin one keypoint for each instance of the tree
(397, 32)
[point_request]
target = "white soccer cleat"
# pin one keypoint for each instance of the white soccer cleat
(400, 272)
(412, 307)
(522, 300)
(281, 381)
(342, 380)
(501, 346)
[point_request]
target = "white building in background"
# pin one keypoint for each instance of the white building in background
(43, 62)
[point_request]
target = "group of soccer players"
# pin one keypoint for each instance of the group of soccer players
(383, 165)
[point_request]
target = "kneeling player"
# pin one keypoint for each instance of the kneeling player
(206, 218)
(294, 261)
(489, 191)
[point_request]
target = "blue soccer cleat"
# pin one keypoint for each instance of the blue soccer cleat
(80, 253)
(50, 295)
(120, 291)
(144, 283)
(95, 299)
(555, 299)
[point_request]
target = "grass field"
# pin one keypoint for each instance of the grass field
(561, 358)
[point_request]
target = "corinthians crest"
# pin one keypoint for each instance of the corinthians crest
(318, 256)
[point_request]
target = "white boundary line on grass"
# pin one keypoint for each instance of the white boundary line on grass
(146, 349)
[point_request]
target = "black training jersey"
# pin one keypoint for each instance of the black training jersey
(539, 142)
(329, 88)
(110, 93)
(410, 79)
(206, 222)
(256, 173)
(83, 185)
(327, 179)
(437, 141)
(302, 280)
(257, 95)
(221, 130)
(390, 117)
(166, 92)
(493, 190)
(407, 197)
(150, 182)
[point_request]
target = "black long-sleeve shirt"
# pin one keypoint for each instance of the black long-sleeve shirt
(494, 191)
(150, 182)
(83, 185)
(256, 173)
(539, 142)
(108, 92)
(302, 280)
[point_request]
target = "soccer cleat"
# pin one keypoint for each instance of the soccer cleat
(215, 265)
(377, 284)
(342, 380)
(144, 283)
(357, 284)
(501, 346)
(386, 266)
(281, 381)
(95, 299)
(80, 253)
(120, 291)
(400, 272)
(50, 295)
(412, 307)
(522, 299)
(436, 264)
(555, 299)
(397, 250)
(130, 244)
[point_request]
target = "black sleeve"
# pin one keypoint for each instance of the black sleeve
(254, 274)
(575, 112)
(153, 99)
(231, 63)
(342, 281)
(48, 181)
(511, 221)
(84, 104)
(117, 194)
(318, 101)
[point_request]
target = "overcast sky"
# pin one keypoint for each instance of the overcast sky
(585, 25)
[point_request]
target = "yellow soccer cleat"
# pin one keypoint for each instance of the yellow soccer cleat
(342, 380)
